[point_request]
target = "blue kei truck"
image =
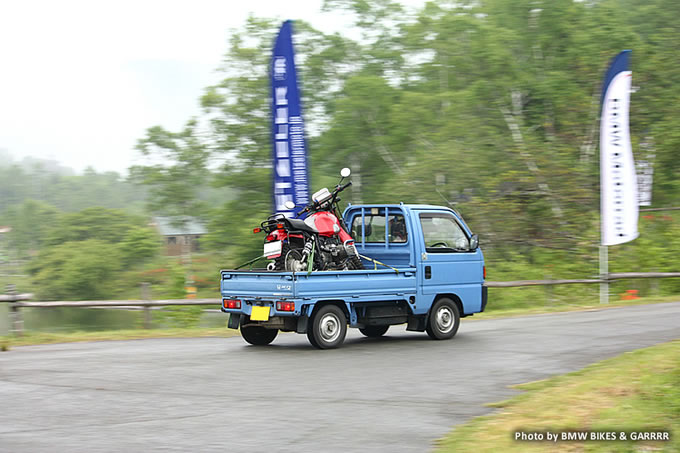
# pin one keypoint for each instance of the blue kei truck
(427, 273)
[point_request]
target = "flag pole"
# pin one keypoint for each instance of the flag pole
(604, 274)
(618, 183)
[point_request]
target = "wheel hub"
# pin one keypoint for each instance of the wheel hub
(329, 327)
(444, 319)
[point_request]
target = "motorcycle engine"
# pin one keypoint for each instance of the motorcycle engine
(332, 252)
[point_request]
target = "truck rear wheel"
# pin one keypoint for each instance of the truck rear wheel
(444, 320)
(258, 335)
(374, 331)
(329, 327)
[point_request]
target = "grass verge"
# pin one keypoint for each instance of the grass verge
(637, 391)
(32, 338)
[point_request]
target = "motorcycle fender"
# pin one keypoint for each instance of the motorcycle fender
(276, 235)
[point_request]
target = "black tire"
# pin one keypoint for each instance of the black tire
(280, 262)
(444, 320)
(328, 327)
(354, 263)
(374, 331)
(286, 248)
(257, 335)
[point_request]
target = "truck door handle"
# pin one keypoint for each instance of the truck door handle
(428, 272)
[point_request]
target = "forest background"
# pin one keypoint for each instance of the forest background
(490, 107)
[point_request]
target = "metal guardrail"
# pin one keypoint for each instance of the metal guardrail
(119, 303)
(608, 278)
(18, 301)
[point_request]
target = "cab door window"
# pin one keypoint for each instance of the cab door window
(443, 234)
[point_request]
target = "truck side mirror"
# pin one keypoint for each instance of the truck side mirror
(474, 242)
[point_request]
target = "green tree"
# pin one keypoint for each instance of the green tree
(489, 106)
(30, 222)
(139, 245)
(77, 270)
(109, 225)
(175, 172)
(240, 123)
(86, 254)
(48, 182)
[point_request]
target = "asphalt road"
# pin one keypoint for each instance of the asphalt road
(393, 394)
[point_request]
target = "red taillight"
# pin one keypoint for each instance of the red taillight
(257, 230)
(285, 306)
(279, 226)
(233, 304)
(484, 272)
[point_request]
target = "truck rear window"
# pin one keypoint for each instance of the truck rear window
(375, 228)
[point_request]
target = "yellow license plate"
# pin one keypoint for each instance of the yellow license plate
(259, 314)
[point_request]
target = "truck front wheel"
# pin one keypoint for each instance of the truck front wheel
(444, 320)
(258, 335)
(329, 327)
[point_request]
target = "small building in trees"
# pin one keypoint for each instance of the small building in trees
(181, 236)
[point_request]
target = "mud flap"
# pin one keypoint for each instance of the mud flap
(234, 320)
(302, 324)
(416, 323)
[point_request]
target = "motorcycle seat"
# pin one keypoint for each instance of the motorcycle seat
(300, 225)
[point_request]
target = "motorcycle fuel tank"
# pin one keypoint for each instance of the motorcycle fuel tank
(324, 222)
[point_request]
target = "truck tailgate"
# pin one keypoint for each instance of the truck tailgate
(253, 284)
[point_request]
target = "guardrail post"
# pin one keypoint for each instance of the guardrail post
(550, 294)
(146, 295)
(549, 291)
(16, 317)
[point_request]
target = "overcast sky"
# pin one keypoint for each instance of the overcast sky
(80, 81)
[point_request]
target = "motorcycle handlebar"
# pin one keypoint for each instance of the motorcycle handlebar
(341, 188)
(313, 204)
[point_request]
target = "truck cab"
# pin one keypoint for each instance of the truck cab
(422, 267)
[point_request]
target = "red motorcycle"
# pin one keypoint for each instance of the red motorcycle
(319, 242)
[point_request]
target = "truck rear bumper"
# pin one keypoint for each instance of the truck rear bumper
(285, 323)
